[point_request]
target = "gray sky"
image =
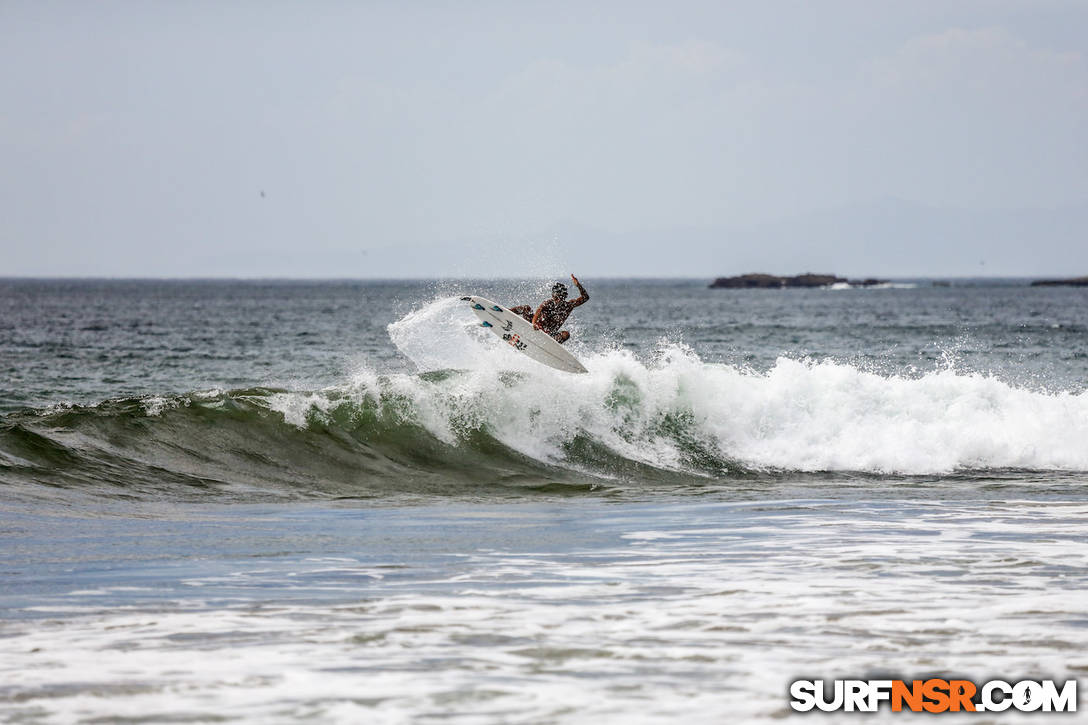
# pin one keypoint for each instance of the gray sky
(486, 139)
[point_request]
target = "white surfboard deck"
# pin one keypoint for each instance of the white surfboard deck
(520, 335)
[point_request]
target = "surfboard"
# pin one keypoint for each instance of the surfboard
(520, 334)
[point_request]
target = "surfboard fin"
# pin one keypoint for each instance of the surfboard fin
(485, 323)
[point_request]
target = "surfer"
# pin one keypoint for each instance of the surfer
(552, 313)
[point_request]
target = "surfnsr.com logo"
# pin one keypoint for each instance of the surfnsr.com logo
(933, 695)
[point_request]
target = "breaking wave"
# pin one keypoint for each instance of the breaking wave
(478, 419)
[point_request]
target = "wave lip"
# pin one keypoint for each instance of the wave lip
(486, 431)
(480, 419)
(833, 417)
(682, 413)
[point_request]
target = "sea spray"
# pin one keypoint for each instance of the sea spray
(625, 422)
(479, 418)
(798, 416)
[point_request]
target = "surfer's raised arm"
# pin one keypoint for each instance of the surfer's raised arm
(584, 295)
(553, 312)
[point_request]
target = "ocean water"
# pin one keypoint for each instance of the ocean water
(240, 501)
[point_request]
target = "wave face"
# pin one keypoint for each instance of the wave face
(490, 421)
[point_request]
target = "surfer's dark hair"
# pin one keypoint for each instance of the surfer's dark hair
(559, 290)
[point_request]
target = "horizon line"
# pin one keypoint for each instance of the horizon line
(277, 278)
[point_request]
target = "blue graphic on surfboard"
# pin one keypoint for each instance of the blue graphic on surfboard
(519, 333)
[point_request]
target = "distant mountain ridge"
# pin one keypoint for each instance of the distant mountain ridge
(885, 238)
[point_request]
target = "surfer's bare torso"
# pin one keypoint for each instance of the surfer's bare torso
(553, 312)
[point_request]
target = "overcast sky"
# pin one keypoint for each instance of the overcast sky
(373, 139)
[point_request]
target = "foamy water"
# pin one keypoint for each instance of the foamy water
(796, 416)
(347, 502)
(532, 613)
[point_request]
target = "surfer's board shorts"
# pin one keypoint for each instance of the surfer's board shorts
(558, 335)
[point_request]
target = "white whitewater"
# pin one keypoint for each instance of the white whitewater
(796, 416)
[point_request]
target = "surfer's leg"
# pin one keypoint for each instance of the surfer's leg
(561, 336)
(524, 310)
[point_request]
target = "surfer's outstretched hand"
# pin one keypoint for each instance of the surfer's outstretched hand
(574, 280)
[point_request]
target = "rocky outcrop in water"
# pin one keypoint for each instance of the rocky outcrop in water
(1071, 282)
(771, 281)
